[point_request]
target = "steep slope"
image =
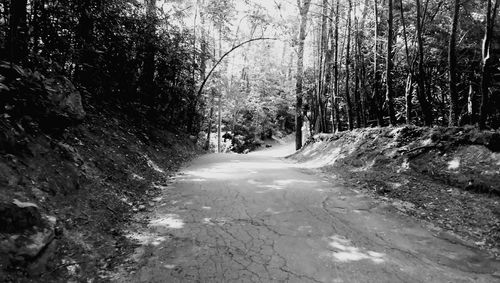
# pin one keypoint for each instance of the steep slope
(70, 193)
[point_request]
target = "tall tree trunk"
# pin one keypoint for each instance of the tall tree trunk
(471, 106)
(424, 103)
(323, 84)
(148, 64)
(304, 9)
(487, 62)
(219, 122)
(356, 75)
(210, 118)
(409, 96)
(329, 63)
(376, 75)
(390, 64)
(84, 72)
(362, 66)
(17, 42)
(452, 62)
(335, 110)
(409, 81)
(347, 69)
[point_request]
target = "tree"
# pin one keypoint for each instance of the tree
(18, 32)
(424, 104)
(452, 62)
(347, 69)
(390, 64)
(487, 61)
(148, 63)
(303, 11)
(376, 76)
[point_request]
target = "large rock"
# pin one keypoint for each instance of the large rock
(65, 98)
(53, 102)
(25, 235)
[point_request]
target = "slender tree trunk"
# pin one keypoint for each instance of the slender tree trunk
(390, 64)
(408, 96)
(210, 118)
(148, 68)
(18, 31)
(357, 104)
(362, 66)
(329, 63)
(203, 57)
(452, 62)
(376, 75)
(409, 82)
(323, 84)
(304, 9)
(471, 105)
(335, 110)
(347, 69)
(219, 122)
(424, 103)
(487, 62)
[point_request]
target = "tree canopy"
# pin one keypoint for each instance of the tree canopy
(336, 64)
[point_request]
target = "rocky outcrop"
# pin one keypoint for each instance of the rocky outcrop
(65, 98)
(29, 97)
(26, 236)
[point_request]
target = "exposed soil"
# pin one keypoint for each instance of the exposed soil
(92, 177)
(449, 178)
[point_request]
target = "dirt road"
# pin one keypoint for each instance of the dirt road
(257, 218)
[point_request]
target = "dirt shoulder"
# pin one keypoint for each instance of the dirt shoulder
(448, 178)
(88, 180)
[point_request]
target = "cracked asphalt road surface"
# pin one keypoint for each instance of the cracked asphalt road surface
(257, 218)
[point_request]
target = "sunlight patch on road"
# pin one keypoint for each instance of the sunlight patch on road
(272, 211)
(147, 238)
(233, 170)
(344, 251)
(215, 221)
(273, 187)
(279, 184)
(197, 180)
(305, 228)
(172, 221)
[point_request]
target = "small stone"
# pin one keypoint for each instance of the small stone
(496, 274)
(142, 207)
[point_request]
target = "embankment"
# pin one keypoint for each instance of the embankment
(449, 177)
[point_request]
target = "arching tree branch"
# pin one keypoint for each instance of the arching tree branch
(224, 56)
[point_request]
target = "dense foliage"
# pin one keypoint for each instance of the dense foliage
(403, 62)
(120, 52)
(337, 65)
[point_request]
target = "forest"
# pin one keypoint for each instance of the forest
(337, 65)
(108, 109)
